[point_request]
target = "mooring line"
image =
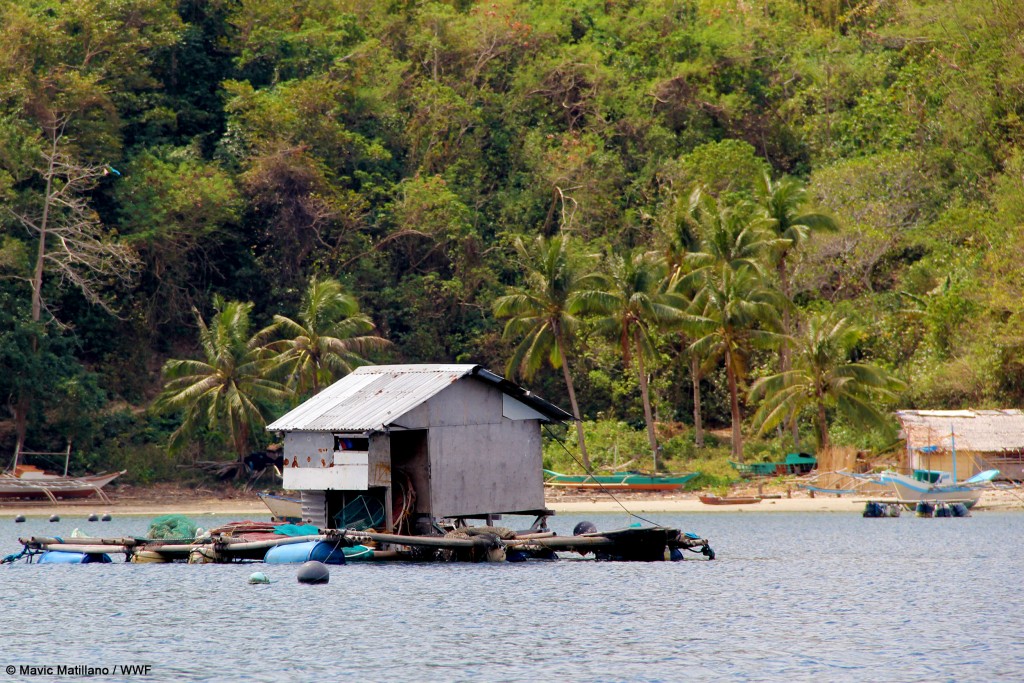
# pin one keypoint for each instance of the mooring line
(596, 481)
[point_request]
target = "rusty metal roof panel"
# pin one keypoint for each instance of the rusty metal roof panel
(370, 398)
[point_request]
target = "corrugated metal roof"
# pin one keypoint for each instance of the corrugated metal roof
(370, 397)
(374, 396)
(980, 431)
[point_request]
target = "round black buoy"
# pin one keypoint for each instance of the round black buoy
(19, 519)
(54, 518)
(584, 528)
(106, 517)
(93, 517)
(313, 572)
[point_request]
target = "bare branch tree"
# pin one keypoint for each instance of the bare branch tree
(72, 244)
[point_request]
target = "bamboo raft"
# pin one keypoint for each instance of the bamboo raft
(468, 544)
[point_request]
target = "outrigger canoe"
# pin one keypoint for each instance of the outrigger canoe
(54, 487)
(625, 481)
(729, 500)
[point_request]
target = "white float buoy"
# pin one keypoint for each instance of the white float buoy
(258, 577)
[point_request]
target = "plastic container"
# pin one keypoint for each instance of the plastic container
(63, 557)
(297, 553)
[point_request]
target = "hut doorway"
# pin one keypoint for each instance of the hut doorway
(410, 464)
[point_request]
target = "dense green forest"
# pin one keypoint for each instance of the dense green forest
(721, 190)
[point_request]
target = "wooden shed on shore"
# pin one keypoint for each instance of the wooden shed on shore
(397, 447)
(983, 439)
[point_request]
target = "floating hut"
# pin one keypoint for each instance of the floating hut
(392, 462)
(409, 445)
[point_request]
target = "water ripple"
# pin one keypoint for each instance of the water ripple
(796, 597)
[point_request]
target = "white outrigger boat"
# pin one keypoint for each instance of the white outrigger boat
(933, 486)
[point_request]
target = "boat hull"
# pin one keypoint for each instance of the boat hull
(14, 488)
(730, 500)
(619, 482)
(910, 490)
(282, 508)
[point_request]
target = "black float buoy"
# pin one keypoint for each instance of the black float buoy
(873, 509)
(93, 517)
(106, 517)
(313, 572)
(584, 528)
(54, 518)
(19, 519)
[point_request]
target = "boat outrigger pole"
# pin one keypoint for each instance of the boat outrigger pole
(952, 446)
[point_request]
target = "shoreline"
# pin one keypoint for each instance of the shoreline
(152, 503)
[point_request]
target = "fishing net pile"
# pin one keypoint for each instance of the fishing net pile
(364, 512)
(501, 532)
(172, 526)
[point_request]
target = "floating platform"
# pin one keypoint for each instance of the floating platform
(252, 541)
(888, 507)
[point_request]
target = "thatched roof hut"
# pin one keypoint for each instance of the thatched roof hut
(981, 439)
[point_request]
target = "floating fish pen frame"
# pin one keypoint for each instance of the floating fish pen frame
(921, 508)
(463, 544)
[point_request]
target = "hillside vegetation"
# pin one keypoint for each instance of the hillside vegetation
(446, 166)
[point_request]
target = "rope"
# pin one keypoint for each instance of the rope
(591, 473)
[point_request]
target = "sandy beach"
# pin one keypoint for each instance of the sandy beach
(165, 499)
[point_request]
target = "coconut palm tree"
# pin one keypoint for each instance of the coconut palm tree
(732, 235)
(738, 312)
(825, 378)
(783, 203)
(325, 342)
(635, 306)
(733, 240)
(228, 390)
(680, 232)
(560, 286)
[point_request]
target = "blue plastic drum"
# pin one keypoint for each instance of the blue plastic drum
(297, 553)
(62, 557)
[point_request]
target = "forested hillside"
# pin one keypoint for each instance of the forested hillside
(720, 189)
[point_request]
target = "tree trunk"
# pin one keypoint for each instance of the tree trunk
(734, 400)
(20, 410)
(572, 400)
(698, 424)
(37, 273)
(823, 444)
(785, 355)
(648, 417)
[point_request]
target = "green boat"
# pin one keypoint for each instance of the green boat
(795, 463)
(631, 481)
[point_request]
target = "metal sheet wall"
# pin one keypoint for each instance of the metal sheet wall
(476, 469)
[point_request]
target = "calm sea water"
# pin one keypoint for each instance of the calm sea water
(798, 597)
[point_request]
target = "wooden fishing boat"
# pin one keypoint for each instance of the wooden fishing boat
(795, 463)
(282, 508)
(53, 487)
(729, 500)
(629, 481)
